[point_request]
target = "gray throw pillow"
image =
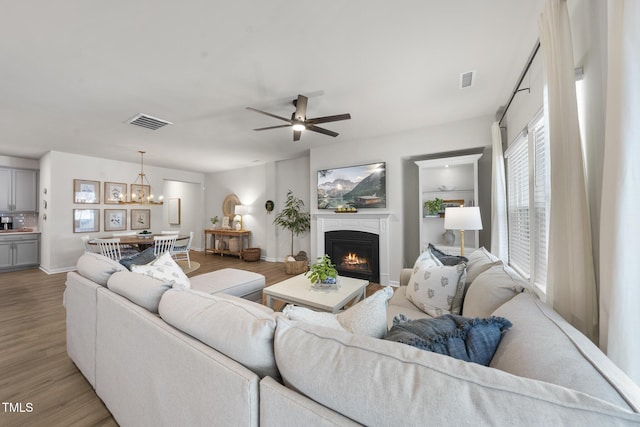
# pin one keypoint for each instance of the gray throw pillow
(471, 340)
(141, 258)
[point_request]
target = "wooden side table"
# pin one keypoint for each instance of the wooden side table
(218, 235)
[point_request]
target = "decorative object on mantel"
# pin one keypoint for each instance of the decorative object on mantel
(348, 209)
(462, 218)
(141, 189)
(434, 207)
(293, 219)
(323, 273)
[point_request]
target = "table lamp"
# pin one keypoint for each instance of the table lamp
(462, 218)
(241, 210)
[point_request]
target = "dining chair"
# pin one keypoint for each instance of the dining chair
(182, 252)
(162, 244)
(110, 248)
(85, 243)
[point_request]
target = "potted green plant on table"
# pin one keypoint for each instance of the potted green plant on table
(298, 222)
(323, 273)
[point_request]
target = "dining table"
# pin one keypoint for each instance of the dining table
(140, 241)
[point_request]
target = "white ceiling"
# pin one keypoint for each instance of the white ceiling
(73, 71)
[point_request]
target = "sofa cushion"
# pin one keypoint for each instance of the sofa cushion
(426, 387)
(368, 317)
(543, 346)
(139, 258)
(240, 329)
(490, 290)
(434, 289)
(165, 269)
(97, 268)
(479, 261)
(142, 290)
(471, 340)
(230, 281)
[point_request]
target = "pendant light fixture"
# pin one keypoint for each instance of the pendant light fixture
(140, 193)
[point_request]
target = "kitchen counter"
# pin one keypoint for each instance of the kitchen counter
(19, 231)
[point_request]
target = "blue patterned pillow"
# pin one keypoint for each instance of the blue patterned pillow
(445, 258)
(471, 340)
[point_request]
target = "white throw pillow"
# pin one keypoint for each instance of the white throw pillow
(368, 317)
(435, 289)
(165, 269)
(328, 320)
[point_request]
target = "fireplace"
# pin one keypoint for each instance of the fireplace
(355, 253)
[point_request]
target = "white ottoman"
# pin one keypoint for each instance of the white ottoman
(231, 281)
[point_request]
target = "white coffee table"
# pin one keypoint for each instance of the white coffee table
(298, 290)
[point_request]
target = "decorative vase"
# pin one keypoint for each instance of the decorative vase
(448, 238)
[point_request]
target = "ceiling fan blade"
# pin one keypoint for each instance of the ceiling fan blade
(322, 130)
(326, 119)
(301, 108)
(274, 127)
(296, 135)
(268, 114)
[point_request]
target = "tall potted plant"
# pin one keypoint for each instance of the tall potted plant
(294, 219)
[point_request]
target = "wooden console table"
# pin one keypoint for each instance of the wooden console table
(218, 235)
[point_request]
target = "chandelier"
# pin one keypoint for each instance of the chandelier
(141, 189)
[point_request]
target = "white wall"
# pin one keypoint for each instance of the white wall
(61, 247)
(402, 190)
(191, 197)
(254, 186)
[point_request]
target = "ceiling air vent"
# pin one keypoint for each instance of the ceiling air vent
(466, 80)
(148, 122)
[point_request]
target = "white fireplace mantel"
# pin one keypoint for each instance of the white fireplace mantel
(375, 223)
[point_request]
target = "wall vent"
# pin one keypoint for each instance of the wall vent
(466, 79)
(149, 122)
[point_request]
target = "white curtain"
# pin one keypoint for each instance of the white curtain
(620, 223)
(499, 232)
(571, 288)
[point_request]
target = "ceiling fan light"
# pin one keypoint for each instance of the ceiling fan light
(299, 127)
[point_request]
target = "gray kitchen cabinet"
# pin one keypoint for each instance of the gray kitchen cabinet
(19, 251)
(18, 190)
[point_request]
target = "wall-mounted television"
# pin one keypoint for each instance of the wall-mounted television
(362, 186)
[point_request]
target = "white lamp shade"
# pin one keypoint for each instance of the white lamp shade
(241, 210)
(464, 218)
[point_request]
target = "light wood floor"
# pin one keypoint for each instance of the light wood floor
(34, 366)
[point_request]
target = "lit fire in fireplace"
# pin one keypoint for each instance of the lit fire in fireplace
(352, 261)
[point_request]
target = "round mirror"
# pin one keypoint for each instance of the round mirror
(229, 205)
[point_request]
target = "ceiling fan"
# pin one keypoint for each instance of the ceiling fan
(300, 122)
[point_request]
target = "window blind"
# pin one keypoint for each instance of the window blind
(541, 195)
(517, 156)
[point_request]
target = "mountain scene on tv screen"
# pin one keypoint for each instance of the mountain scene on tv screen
(358, 186)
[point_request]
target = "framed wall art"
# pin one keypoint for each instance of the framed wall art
(140, 193)
(174, 211)
(140, 219)
(114, 192)
(362, 186)
(115, 219)
(86, 191)
(86, 220)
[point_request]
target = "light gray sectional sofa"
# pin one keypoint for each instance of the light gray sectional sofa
(203, 359)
